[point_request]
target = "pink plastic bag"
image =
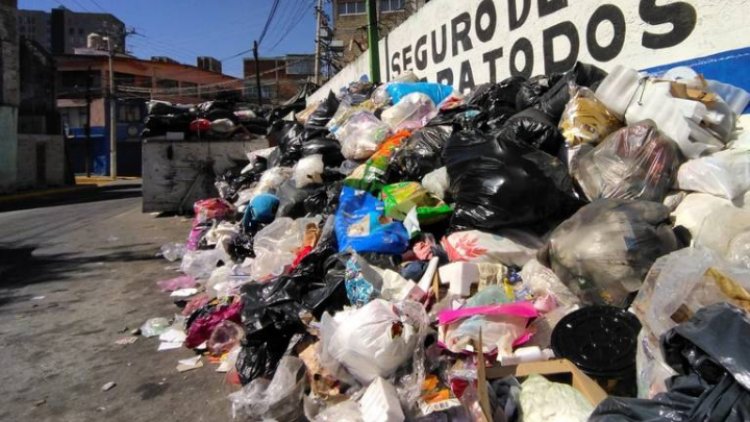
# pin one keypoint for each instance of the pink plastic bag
(177, 283)
(519, 309)
(212, 208)
(203, 326)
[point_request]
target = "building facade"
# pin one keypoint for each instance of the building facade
(61, 31)
(9, 95)
(135, 81)
(350, 22)
(280, 77)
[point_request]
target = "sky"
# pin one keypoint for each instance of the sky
(185, 29)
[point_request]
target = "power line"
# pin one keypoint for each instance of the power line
(99, 6)
(268, 21)
(292, 24)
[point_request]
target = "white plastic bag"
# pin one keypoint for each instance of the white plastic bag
(268, 183)
(373, 341)
(309, 170)
(437, 182)
(361, 136)
(544, 401)
(540, 280)
(508, 246)
(725, 173)
(413, 112)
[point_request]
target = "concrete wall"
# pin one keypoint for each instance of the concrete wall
(9, 94)
(176, 174)
(478, 41)
(28, 161)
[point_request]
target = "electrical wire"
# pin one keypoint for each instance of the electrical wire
(271, 14)
(99, 6)
(293, 24)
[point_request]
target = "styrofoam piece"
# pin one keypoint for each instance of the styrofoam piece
(684, 75)
(380, 403)
(737, 98)
(618, 88)
(526, 354)
(460, 276)
(692, 110)
(426, 281)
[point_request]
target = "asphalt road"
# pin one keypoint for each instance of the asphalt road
(75, 277)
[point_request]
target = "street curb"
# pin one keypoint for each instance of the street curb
(46, 193)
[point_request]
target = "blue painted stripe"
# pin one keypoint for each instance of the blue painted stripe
(731, 67)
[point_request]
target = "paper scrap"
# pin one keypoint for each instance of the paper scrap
(126, 340)
(189, 364)
(184, 292)
(166, 345)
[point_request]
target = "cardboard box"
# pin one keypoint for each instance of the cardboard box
(558, 370)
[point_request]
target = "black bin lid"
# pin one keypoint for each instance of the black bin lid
(600, 340)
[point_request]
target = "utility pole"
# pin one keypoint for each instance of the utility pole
(372, 40)
(257, 73)
(319, 11)
(87, 128)
(112, 115)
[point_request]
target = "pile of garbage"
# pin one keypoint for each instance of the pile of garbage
(565, 247)
(218, 119)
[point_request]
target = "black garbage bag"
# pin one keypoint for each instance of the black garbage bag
(241, 247)
(329, 148)
(500, 182)
(323, 114)
(456, 117)
(163, 108)
(324, 201)
(709, 353)
(159, 125)
(533, 127)
(604, 251)
(274, 158)
(532, 89)
(271, 311)
(289, 137)
(257, 126)
(418, 155)
(553, 101)
(497, 101)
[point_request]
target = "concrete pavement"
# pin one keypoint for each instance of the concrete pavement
(74, 278)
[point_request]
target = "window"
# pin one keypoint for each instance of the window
(80, 31)
(300, 65)
(391, 5)
(189, 89)
(71, 31)
(166, 83)
(129, 113)
(352, 8)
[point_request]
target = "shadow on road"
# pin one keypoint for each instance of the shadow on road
(102, 193)
(20, 267)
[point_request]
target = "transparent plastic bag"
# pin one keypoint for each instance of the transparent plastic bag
(173, 251)
(225, 337)
(378, 338)
(541, 280)
(606, 248)
(347, 411)
(400, 198)
(499, 333)
(361, 136)
(278, 399)
(586, 119)
(201, 263)
(346, 111)
(309, 170)
(277, 244)
(635, 162)
(543, 401)
(413, 112)
(508, 246)
(725, 173)
(269, 182)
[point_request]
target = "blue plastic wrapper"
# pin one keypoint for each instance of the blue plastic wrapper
(358, 290)
(361, 225)
(436, 92)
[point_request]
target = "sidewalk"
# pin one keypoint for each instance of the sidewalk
(84, 187)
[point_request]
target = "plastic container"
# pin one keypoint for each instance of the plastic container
(601, 341)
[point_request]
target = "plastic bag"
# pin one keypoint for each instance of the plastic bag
(400, 198)
(202, 324)
(491, 180)
(509, 247)
(725, 174)
(586, 119)
(201, 263)
(418, 155)
(436, 182)
(542, 401)
(534, 128)
(177, 283)
(323, 113)
(378, 338)
(280, 399)
(347, 411)
(541, 280)
(308, 170)
(437, 92)
(154, 327)
(380, 95)
(361, 136)
(605, 249)
(173, 251)
(225, 337)
(277, 244)
(371, 175)
(329, 149)
(346, 111)
(635, 162)
(553, 101)
(361, 225)
(497, 101)
(412, 112)
(212, 209)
